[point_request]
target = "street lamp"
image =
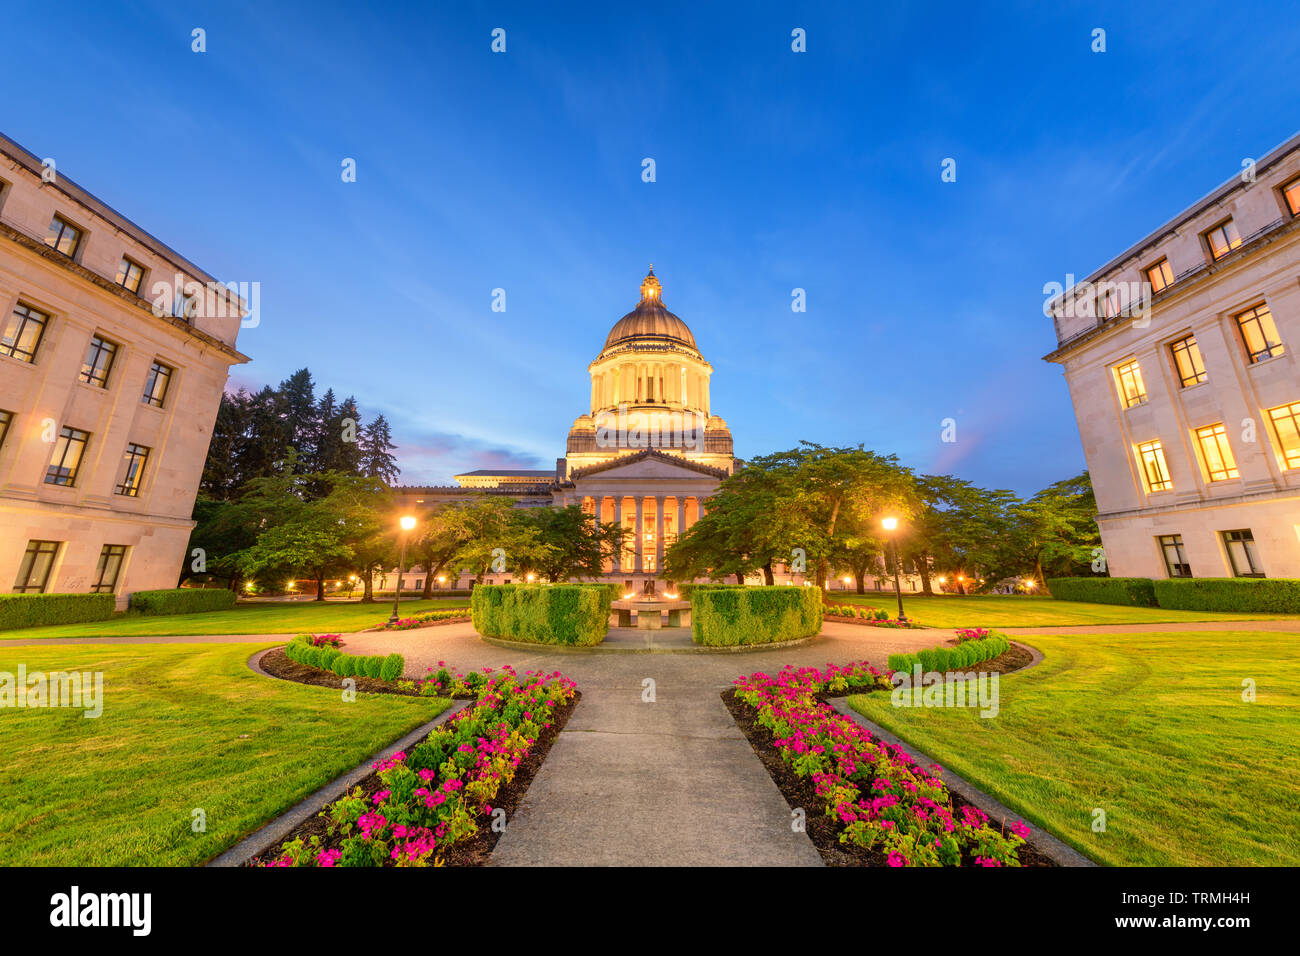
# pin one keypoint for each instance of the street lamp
(891, 525)
(407, 522)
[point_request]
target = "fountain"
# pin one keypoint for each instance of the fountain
(649, 607)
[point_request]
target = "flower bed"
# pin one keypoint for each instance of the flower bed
(428, 619)
(436, 804)
(864, 614)
(328, 657)
(880, 805)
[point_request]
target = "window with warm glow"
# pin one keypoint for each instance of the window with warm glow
(129, 274)
(1286, 424)
(34, 571)
(1152, 457)
(1132, 390)
(1291, 193)
(63, 236)
(1220, 465)
(1259, 333)
(23, 332)
(108, 569)
(98, 362)
(1223, 238)
(66, 460)
(1160, 275)
(136, 457)
(1187, 360)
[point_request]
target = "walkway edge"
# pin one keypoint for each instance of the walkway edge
(609, 649)
(1055, 850)
(268, 835)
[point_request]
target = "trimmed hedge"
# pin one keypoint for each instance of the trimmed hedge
(182, 601)
(1132, 592)
(1267, 595)
(388, 668)
(569, 614)
(36, 610)
(727, 616)
(943, 659)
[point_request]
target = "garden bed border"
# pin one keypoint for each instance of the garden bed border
(604, 649)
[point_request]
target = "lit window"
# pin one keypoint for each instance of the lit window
(1132, 390)
(129, 275)
(110, 566)
(136, 457)
(1242, 555)
(1219, 463)
(1171, 546)
(1286, 422)
(65, 461)
(155, 386)
(34, 572)
(1223, 238)
(1187, 359)
(98, 362)
(1152, 457)
(1291, 193)
(1259, 332)
(1160, 275)
(63, 236)
(5, 419)
(23, 333)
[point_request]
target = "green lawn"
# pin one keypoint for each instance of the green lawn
(307, 617)
(183, 728)
(1004, 610)
(1150, 728)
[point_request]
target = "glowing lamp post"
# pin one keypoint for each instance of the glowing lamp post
(407, 523)
(891, 525)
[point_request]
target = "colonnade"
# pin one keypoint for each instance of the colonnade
(631, 511)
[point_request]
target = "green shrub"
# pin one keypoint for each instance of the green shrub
(35, 610)
(327, 656)
(374, 665)
(730, 615)
(1131, 592)
(1263, 595)
(570, 614)
(942, 659)
(310, 655)
(182, 600)
(392, 668)
(343, 665)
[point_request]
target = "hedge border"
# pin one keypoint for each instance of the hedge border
(731, 615)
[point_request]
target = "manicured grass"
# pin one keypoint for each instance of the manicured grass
(307, 617)
(1152, 729)
(184, 727)
(1004, 610)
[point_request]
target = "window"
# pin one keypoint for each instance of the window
(1241, 554)
(1259, 332)
(1286, 422)
(1109, 303)
(1219, 463)
(155, 386)
(129, 275)
(185, 306)
(1152, 457)
(98, 362)
(1223, 238)
(6, 418)
(136, 457)
(1291, 193)
(1160, 275)
(65, 461)
(1171, 546)
(1132, 390)
(110, 566)
(1187, 360)
(34, 572)
(23, 333)
(63, 236)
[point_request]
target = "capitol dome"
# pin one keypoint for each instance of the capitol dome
(650, 320)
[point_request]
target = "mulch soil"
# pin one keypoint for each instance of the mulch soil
(278, 664)
(476, 850)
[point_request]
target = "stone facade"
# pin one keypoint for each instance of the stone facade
(1181, 364)
(73, 272)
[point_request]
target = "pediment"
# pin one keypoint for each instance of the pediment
(649, 464)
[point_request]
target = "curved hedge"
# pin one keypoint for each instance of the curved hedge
(182, 600)
(35, 610)
(943, 659)
(1267, 595)
(1133, 592)
(329, 658)
(570, 614)
(729, 615)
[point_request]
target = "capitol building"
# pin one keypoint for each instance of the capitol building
(646, 455)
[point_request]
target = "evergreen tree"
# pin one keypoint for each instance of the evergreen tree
(375, 447)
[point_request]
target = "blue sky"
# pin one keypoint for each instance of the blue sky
(775, 170)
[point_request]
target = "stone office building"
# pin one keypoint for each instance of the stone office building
(1180, 356)
(114, 350)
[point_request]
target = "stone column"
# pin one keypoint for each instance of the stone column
(681, 516)
(618, 520)
(640, 542)
(659, 534)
